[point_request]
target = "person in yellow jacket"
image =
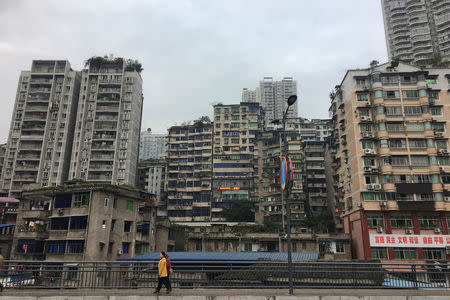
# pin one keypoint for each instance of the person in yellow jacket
(162, 274)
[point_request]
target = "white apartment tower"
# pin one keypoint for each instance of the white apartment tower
(415, 29)
(106, 141)
(152, 146)
(251, 95)
(41, 133)
(274, 95)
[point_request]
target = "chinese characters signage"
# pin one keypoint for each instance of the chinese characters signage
(407, 240)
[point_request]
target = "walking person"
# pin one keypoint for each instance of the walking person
(162, 274)
(169, 271)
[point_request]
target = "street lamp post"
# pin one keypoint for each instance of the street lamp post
(291, 100)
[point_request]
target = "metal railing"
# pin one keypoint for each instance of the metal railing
(142, 274)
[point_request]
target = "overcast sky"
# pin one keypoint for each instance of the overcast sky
(196, 52)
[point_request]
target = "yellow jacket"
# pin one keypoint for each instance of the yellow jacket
(162, 268)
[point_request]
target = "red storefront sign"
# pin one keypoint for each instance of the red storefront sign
(408, 240)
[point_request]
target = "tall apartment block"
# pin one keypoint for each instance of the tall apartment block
(415, 29)
(151, 178)
(251, 95)
(270, 205)
(152, 146)
(274, 95)
(85, 222)
(392, 161)
(313, 134)
(106, 141)
(188, 173)
(41, 133)
(235, 155)
(314, 129)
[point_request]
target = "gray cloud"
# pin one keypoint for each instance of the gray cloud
(196, 52)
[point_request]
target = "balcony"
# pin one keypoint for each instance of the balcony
(439, 20)
(110, 81)
(40, 81)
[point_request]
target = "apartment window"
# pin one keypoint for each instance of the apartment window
(127, 226)
(106, 202)
(125, 247)
(104, 224)
(435, 254)
(391, 94)
(393, 110)
(429, 222)
(438, 127)
(57, 247)
(129, 205)
(81, 200)
(247, 247)
(398, 222)
(340, 247)
(369, 162)
(379, 253)
(362, 97)
(436, 111)
(365, 128)
(443, 161)
(441, 144)
(367, 144)
(413, 110)
(375, 221)
(410, 94)
(405, 253)
(371, 179)
(198, 246)
(75, 246)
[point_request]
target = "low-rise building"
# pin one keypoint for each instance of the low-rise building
(250, 237)
(85, 221)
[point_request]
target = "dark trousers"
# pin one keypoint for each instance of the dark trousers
(165, 281)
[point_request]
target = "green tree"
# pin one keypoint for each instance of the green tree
(239, 212)
(437, 60)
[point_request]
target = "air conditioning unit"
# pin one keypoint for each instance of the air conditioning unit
(360, 204)
(447, 198)
(383, 204)
(377, 186)
(370, 187)
(61, 211)
(363, 118)
(443, 151)
(367, 169)
(120, 252)
(437, 230)
(409, 231)
(367, 151)
(438, 134)
(379, 229)
(367, 134)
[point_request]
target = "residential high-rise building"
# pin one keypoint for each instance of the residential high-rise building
(270, 202)
(251, 95)
(41, 132)
(85, 222)
(235, 155)
(415, 29)
(274, 95)
(152, 146)
(106, 141)
(313, 134)
(314, 129)
(392, 161)
(151, 178)
(188, 173)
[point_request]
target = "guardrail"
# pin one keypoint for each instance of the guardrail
(143, 274)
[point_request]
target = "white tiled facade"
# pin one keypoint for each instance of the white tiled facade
(152, 146)
(41, 132)
(106, 141)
